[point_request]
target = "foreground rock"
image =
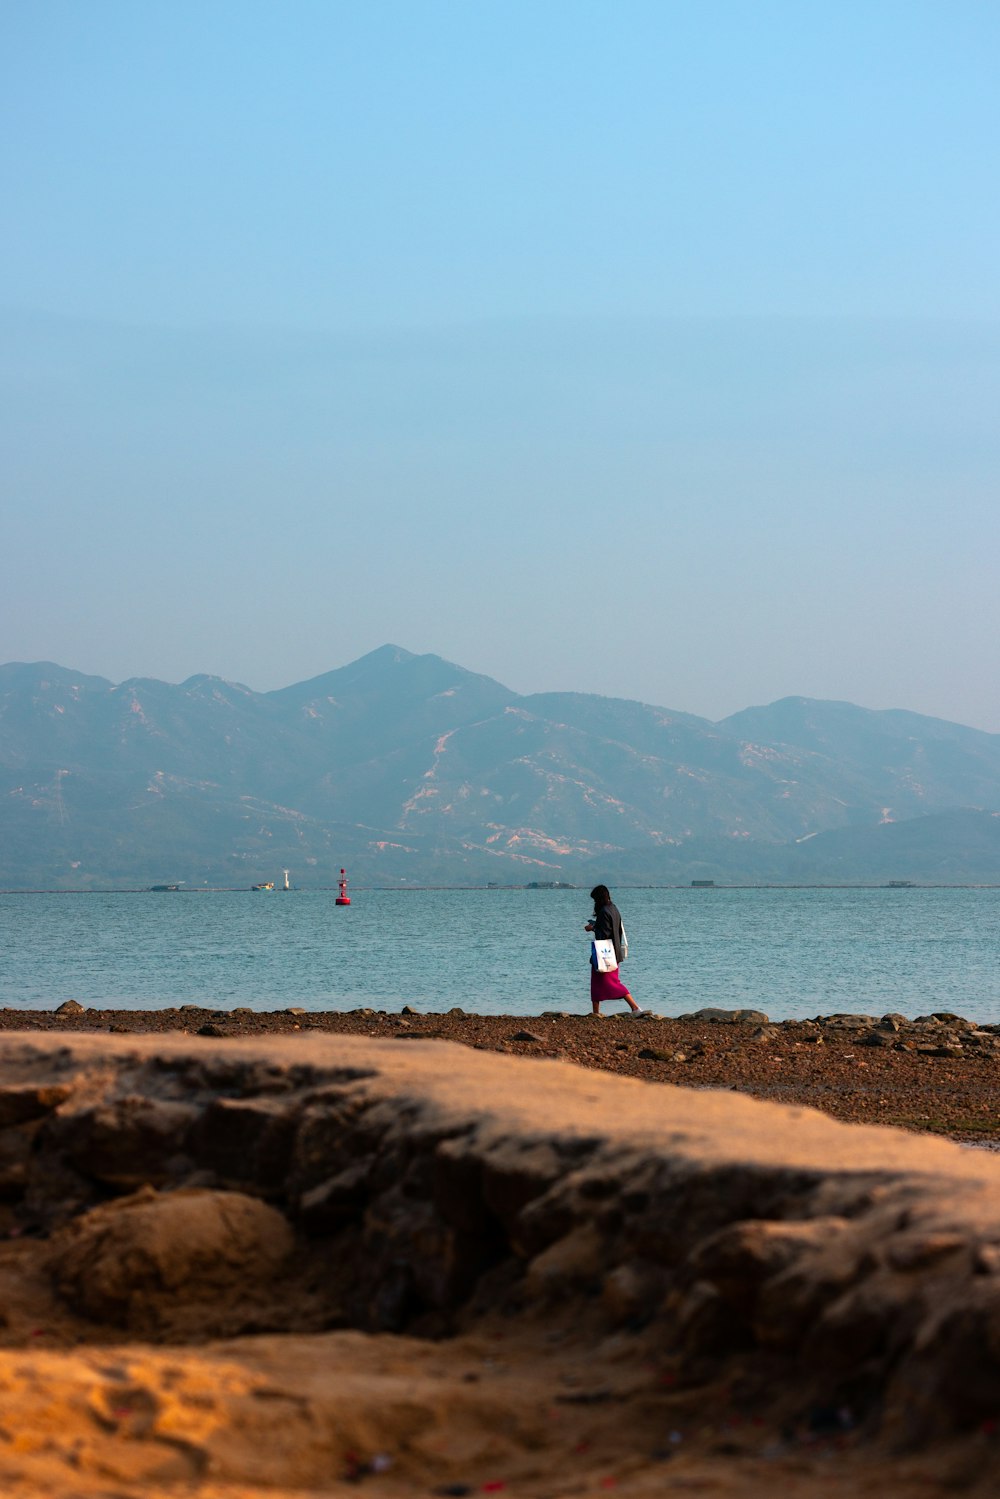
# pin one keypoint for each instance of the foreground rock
(161, 1263)
(616, 1277)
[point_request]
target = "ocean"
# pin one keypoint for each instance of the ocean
(793, 953)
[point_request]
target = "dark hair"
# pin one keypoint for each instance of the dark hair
(601, 896)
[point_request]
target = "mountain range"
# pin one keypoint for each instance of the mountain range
(409, 768)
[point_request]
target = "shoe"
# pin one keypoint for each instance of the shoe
(639, 1014)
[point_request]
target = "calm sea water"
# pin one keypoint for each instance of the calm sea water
(792, 953)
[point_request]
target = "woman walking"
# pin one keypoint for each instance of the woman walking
(607, 925)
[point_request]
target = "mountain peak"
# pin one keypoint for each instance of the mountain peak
(372, 666)
(384, 655)
(394, 671)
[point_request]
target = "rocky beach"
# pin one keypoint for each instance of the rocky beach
(293, 1254)
(936, 1073)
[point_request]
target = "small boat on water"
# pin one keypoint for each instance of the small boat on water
(270, 885)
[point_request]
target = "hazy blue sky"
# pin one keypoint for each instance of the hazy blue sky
(639, 348)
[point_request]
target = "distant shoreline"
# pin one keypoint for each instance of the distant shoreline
(409, 889)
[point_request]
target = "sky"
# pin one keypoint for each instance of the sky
(636, 347)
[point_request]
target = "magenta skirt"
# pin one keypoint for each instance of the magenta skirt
(606, 986)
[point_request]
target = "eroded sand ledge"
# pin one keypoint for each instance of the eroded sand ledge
(542, 1277)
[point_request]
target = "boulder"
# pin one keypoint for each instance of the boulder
(727, 1017)
(134, 1262)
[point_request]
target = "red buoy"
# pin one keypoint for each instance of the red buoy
(343, 899)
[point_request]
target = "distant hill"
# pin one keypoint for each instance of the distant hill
(922, 763)
(961, 847)
(410, 767)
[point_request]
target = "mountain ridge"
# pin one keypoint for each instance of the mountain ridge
(406, 764)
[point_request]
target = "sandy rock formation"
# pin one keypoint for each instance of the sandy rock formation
(636, 1261)
(165, 1263)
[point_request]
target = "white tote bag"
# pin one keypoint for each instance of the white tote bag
(602, 955)
(624, 945)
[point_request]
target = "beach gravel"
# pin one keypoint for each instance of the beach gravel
(937, 1074)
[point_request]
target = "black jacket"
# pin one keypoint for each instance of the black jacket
(608, 924)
